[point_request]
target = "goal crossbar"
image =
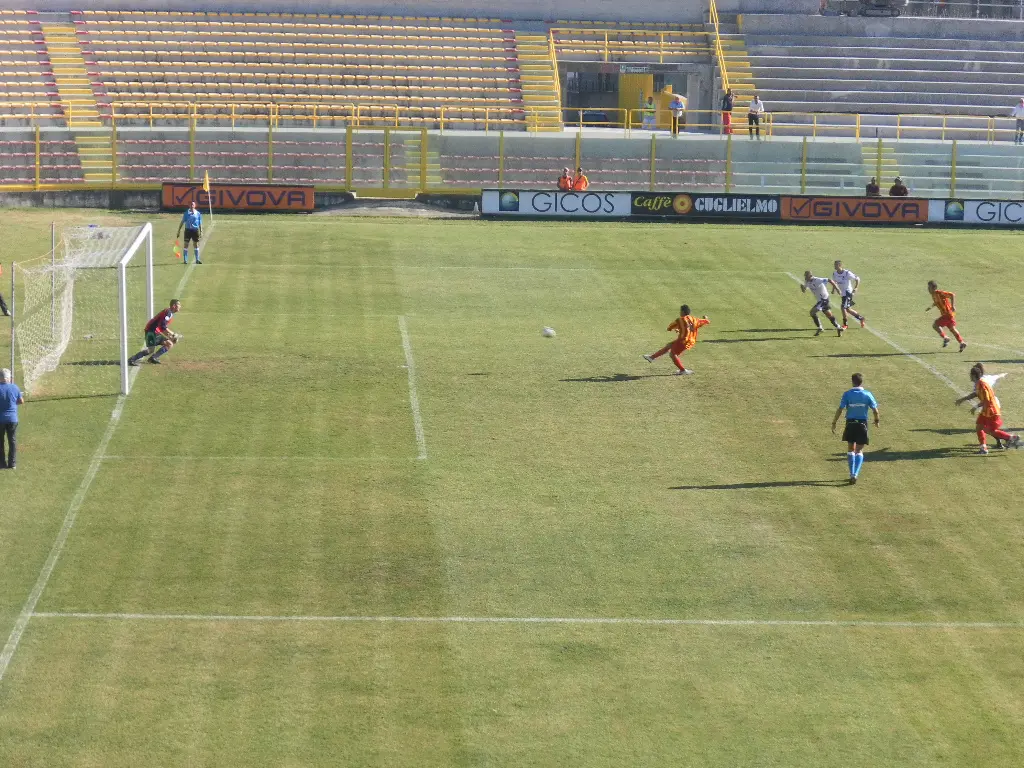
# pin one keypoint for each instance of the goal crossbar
(54, 303)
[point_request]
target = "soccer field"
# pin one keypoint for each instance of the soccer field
(366, 514)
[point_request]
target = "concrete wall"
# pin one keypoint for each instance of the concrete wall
(903, 27)
(691, 11)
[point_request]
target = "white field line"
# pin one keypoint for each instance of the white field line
(414, 400)
(583, 620)
(931, 369)
(973, 344)
(479, 268)
(77, 500)
(175, 457)
(192, 264)
(28, 609)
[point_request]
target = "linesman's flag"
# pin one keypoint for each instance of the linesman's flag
(206, 181)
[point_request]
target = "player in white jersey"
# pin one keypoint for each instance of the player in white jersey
(848, 284)
(819, 287)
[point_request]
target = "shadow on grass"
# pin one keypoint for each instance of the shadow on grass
(951, 431)
(615, 378)
(766, 330)
(478, 374)
(56, 398)
(1005, 362)
(887, 454)
(93, 362)
(766, 484)
(876, 354)
(749, 341)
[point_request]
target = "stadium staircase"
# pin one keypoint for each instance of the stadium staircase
(738, 70)
(880, 161)
(539, 82)
(413, 164)
(75, 91)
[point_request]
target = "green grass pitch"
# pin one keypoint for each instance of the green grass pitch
(270, 468)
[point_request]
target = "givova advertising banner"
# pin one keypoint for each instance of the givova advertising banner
(705, 206)
(562, 205)
(869, 210)
(993, 213)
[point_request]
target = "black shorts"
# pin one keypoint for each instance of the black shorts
(822, 306)
(856, 432)
(193, 235)
(848, 300)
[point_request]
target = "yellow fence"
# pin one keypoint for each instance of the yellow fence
(719, 53)
(402, 162)
(505, 117)
(613, 44)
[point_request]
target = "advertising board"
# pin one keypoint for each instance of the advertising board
(238, 197)
(993, 213)
(702, 206)
(870, 210)
(554, 204)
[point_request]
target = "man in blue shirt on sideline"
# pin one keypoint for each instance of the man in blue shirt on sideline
(10, 399)
(856, 402)
(192, 221)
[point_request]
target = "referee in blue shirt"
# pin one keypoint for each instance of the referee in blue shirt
(192, 221)
(856, 403)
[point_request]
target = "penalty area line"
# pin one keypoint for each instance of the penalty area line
(414, 400)
(903, 351)
(581, 620)
(28, 609)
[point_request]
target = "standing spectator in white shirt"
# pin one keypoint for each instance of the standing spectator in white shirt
(754, 112)
(848, 284)
(678, 108)
(1018, 113)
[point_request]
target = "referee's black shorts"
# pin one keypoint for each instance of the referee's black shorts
(191, 234)
(856, 431)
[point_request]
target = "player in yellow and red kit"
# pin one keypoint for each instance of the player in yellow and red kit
(945, 301)
(686, 327)
(991, 418)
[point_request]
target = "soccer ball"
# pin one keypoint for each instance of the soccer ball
(549, 332)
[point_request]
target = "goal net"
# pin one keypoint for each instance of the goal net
(78, 310)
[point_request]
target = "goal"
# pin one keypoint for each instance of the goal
(77, 310)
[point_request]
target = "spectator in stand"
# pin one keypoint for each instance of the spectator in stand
(1018, 113)
(677, 107)
(871, 188)
(898, 188)
(580, 182)
(565, 180)
(754, 112)
(728, 102)
(10, 399)
(650, 112)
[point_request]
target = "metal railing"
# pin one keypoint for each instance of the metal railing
(500, 117)
(608, 43)
(392, 162)
(719, 53)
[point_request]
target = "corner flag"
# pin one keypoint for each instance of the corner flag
(206, 181)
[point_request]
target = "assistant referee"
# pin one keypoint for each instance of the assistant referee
(192, 221)
(856, 403)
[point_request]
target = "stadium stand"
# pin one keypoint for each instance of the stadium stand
(387, 68)
(26, 79)
(810, 68)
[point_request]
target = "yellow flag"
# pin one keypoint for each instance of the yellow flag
(206, 181)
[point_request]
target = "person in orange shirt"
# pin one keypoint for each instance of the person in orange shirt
(686, 327)
(565, 181)
(580, 182)
(990, 419)
(945, 301)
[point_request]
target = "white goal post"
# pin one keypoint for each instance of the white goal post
(76, 309)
